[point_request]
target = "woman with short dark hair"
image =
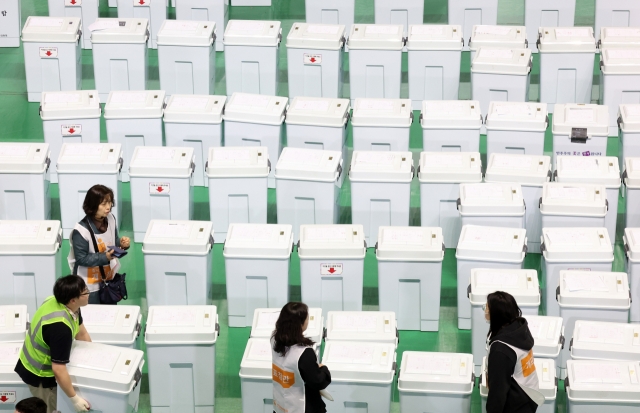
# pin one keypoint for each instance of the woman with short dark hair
(84, 259)
(297, 376)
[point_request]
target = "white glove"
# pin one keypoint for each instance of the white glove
(326, 395)
(80, 404)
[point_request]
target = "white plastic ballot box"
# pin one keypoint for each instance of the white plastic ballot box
(332, 266)
(134, 119)
(319, 123)
(451, 125)
(597, 340)
(485, 247)
(375, 57)
(409, 275)
(531, 172)
(251, 56)
(187, 57)
(579, 130)
(618, 38)
(256, 258)
(155, 11)
(362, 326)
(114, 325)
(500, 75)
(573, 205)
(120, 54)
(504, 37)
(629, 125)
(592, 385)
(362, 375)
(307, 187)
(177, 260)
(516, 128)
(237, 179)
(566, 64)
(208, 11)
(469, 13)
(196, 121)
(547, 382)
(547, 13)
(264, 322)
(434, 62)
(24, 181)
(593, 296)
(435, 382)
(587, 249)
(69, 117)
(52, 55)
(492, 204)
(404, 12)
(161, 185)
(11, 385)
(631, 181)
(631, 243)
(86, 10)
(548, 336)
(31, 260)
(598, 170)
(380, 190)
(440, 175)
(314, 57)
(616, 13)
(81, 166)
(10, 23)
(619, 75)
(181, 351)
(108, 376)
(521, 284)
(331, 12)
(381, 124)
(14, 323)
(256, 120)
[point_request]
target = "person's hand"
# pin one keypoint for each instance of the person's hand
(109, 255)
(80, 404)
(320, 365)
(125, 243)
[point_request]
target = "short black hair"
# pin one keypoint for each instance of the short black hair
(31, 405)
(67, 288)
(95, 196)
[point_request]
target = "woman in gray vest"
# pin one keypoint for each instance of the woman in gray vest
(298, 378)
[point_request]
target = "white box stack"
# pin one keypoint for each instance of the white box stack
(52, 55)
(314, 57)
(631, 181)
(179, 336)
(409, 275)
(161, 186)
(629, 132)
(619, 75)
(547, 13)
(331, 12)
(81, 166)
(362, 326)
(255, 120)
(375, 57)
(573, 205)
(516, 128)
(86, 10)
(492, 204)
(196, 121)
(440, 175)
(548, 336)
(616, 13)
(380, 190)
(31, 260)
(597, 340)
(208, 11)
(469, 13)
(381, 124)
(134, 119)
(257, 266)
(264, 322)
(24, 187)
(252, 56)
(120, 54)
(434, 62)
(237, 179)
(15, 323)
(332, 266)
(521, 284)
(69, 117)
(404, 12)
(10, 25)
(501, 37)
(451, 126)
(631, 245)
(485, 247)
(155, 11)
(118, 326)
(585, 249)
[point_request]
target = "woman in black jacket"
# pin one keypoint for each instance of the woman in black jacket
(511, 376)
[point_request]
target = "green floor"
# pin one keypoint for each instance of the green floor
(23, 123)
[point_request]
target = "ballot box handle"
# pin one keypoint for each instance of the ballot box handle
(543, 248)
(571, 344)
(549, 179)
(557, 292)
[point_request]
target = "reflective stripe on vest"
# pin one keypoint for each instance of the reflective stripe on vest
(524, 372)
(288, 386)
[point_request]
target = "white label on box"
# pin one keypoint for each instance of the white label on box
(45, 22)
(311, 59)
(535, 327)
(225, 155)
(584, 282)
(325, 234)
(437, 107)
(48, 52)
(483, 191)
(485, 235)
(511, 162)
(433, 30)
(251, 100)
(128, 97)
(155, 154)
(71, 130)
(354, 322)
(397, 236)
(254, 233)
(102, 24)
(632, 110)
(185, 102)
(488, 53)
(376, 104)
(495, 30)
(169, 317)
(598, 333)
(380, 29)
(268, 319)
(623, 54)
(580, 163)
(94, 359)
(180, 25)
(597, 373)
(82, 150)
(422, 364)
(139, 3)
(375, 158)
(159, 187)
(497, 278)
(312, 105)
(9, 355)
(572, 193)
(14, 151)
(330, 269)
(7, 397)
(72, 2)
(580, 115)
(55, 97)
(515, 110)
(260, 350)
(569, 236)
(99, 316)
(322, 29)
(22, 230)
(572, 32)
(438, 161)
(351, 354)
(622, 31)
(167, 230)
(297, 157)
(247, 26)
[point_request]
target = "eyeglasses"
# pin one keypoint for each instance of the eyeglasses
(85, 293)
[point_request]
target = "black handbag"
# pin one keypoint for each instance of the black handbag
(114, 290)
